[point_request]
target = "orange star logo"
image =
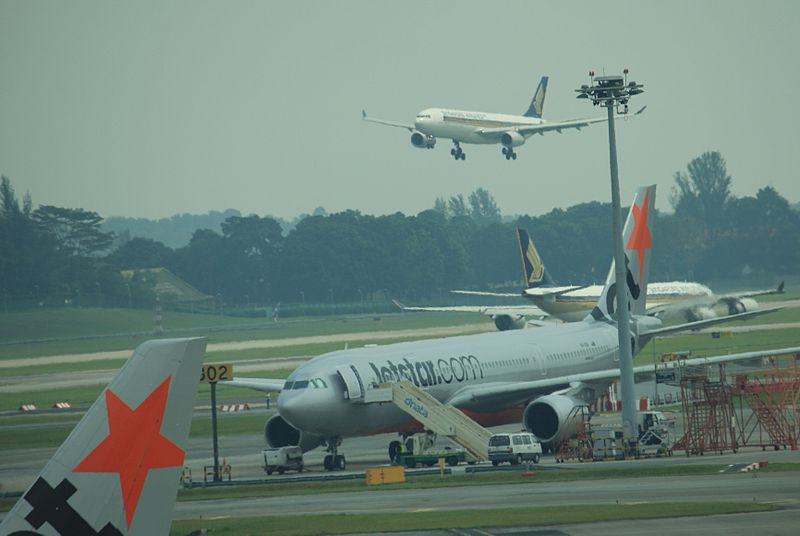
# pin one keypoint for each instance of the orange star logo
(134, 445)
(640, 239)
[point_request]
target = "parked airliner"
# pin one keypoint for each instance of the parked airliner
(463, 126)
(687, 300)
(536, 376)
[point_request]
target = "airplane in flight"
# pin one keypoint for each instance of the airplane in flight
(463, 126)
(117, 473)
(533, 376)
(687, 300)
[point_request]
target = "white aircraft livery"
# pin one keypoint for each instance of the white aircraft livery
(462, 126)
(687, 300)
(533, 376)
(117, 473)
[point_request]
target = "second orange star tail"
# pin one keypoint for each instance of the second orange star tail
(637, 240)
(117, 473)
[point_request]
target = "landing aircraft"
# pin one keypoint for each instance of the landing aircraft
(117, 473)
(688, 300)
(533, 376)
(462, 126)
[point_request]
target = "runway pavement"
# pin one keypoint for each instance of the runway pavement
(766, 487)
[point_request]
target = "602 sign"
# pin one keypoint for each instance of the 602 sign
(216, 373)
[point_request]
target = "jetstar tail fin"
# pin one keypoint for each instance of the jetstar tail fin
(118, 471)
(637, 241)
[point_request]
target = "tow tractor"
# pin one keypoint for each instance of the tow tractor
(419, 449)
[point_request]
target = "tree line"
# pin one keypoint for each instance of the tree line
(353, 257)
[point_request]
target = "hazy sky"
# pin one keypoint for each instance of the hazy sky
(154, 108)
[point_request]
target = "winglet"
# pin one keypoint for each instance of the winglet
(363, 113)
(118, 470)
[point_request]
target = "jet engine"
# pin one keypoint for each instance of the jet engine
(552, 418)
(279, 433)
(740, 305)
(512, 138)
(422, 141)
(507, 322)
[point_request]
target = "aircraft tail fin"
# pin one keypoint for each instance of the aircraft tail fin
(537, 103)
(534, 272)
(637, 242)
(118, 471)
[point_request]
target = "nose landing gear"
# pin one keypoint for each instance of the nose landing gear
(334, 461)
(509, 153)
(457, 153)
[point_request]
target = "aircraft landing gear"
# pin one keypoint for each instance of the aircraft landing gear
(509, 153)
(457, 153)
(334, 461)
(394, 451)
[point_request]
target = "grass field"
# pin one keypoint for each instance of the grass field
(115, 329)
(309, 525)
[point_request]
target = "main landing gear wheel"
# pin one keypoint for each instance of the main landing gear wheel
(509, 153)
(457, 153)
(334, 462)
(394, 451)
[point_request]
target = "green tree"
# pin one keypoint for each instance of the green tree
(483, 208)
(703, 192)
(76, 231)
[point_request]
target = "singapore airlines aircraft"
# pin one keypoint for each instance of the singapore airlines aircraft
(462, 126)
(685, 299)
(117, 472)
(533, 376)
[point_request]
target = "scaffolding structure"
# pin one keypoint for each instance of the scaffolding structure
(771, 397)
(708, 413)
(579, 444)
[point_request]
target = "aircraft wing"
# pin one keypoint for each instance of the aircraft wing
(549, 127)
(259, 384)
(484, 293)
(753, 293)
(520, 392)
(526, 310)
(668, 330)
(543, 292)
(365, 117)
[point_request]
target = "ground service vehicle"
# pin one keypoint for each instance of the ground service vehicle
(514, 448)
(283, 458)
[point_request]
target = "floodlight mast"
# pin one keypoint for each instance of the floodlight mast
(613, 93)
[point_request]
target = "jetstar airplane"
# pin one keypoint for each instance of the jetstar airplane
(462, 126)
(685, 299)
(536, 376)
(117, 473)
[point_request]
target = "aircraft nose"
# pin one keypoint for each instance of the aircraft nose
(306, 409)
(291, 407)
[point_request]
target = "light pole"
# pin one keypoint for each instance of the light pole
(333, 307)
(361, 299)
(613, 93)
(303, 301)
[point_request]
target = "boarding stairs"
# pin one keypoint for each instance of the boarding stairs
(443, 419)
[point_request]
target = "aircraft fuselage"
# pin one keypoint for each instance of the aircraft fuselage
(318, 400)
(462, 125)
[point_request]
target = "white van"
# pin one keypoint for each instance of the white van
(514, 448)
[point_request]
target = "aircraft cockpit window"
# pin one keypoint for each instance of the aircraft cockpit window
(287, 386)
(300, 384)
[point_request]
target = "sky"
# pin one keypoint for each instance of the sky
(153, 108)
